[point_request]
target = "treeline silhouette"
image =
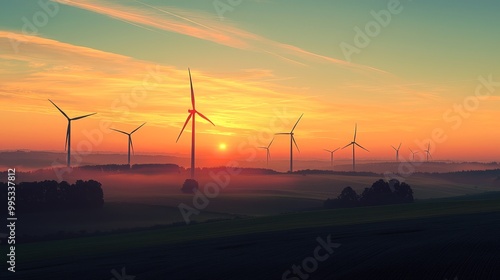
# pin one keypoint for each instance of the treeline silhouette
(51, 195)
(136, 168)
(380, 193)
(348, 173)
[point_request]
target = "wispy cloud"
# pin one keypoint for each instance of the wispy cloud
(79, 77)
(205, 27)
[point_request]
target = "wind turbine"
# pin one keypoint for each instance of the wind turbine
(354, 144)
(413, 153)
(331, 155)
(397, 151)
(292, 141)
(130, 145)
(192, 114)
(268, 155)
(428, 151)
(67, 144)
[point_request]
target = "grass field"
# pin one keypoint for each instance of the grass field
(266, 237)
(138, 201)
(260, 225)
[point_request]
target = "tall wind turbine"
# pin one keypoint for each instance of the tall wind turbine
(354, 144)
(331, 155)
(192, 114)
(428, 151)
(67, 144)
(130, 145)
(413, 153)
(268, 154)
(397, 151)
(292, 141)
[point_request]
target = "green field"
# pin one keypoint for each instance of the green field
(313, 219)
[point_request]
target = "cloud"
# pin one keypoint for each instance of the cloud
(79, 77)
(180, 21)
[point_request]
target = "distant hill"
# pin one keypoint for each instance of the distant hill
(32, 160)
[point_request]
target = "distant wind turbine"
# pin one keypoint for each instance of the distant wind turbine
(192, 114)
(354, 144)
(130, 145)
(413, 153)
(397, 151)
(428, 151)
(292, 141)
(268, 154)
(67, 144)
(331, 155)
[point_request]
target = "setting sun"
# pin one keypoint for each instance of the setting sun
(222, 146)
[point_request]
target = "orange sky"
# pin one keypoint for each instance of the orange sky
(247, 104)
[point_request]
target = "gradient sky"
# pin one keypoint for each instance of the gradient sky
(255, 70)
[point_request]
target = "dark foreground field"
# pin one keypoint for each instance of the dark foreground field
(434, 240)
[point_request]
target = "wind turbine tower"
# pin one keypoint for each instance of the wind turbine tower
(292, 141)
(354, 144)
(67, 144)
(268, 154)
(397, 151)
(428, 151)
(331, 156)
(192, 114)
(130, 144)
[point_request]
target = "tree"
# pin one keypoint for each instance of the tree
(404, 193)
(189, 186)
(379, 193)
(348, 197)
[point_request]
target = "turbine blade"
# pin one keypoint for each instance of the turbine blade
(192, 90)
(81, 117)
(59, 109)
(268, 146)
(393, 148)
(187, 120)
(400, 145)
(67, 135)
(336, 149)
(355, 131)
(282, 133)
(411, 150)
(203, 116)
(131, 144)
(347, 145)
(119, 131)
(328, 150)
(297, 122)
(293, 139)
(137, 128)
(361, 147)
